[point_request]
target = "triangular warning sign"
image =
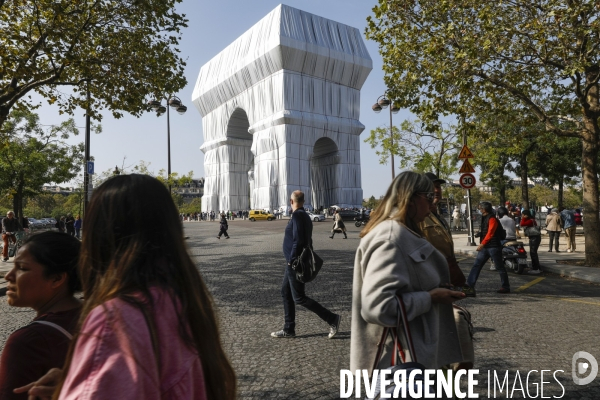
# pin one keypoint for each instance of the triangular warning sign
(465, 153)
(466, 167)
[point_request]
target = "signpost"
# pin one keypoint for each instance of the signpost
(90, 168)
(467, 181)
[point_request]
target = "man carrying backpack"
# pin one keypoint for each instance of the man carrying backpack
(491, 234)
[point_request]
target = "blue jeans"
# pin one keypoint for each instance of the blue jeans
(292, 292)
(495, 253)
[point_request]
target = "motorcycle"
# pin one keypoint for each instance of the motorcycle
(361, 221)
(514, 256)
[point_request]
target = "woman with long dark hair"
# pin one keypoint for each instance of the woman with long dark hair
(148, 328)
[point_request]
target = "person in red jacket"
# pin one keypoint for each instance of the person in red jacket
(490, 247)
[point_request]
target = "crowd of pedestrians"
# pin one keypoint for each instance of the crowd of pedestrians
(147, 326)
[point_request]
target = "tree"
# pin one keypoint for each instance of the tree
(385, 144)
(558, 162)
(35, 156)
(124, 49)
(448, 57)
(421, 150)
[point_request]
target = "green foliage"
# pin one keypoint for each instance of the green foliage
(372, 203)
(126, 49)
(35, 156)
(418, 149)
(191, 207)
(385, 143)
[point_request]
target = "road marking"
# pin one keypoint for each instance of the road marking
(563, 299)
(530, 284)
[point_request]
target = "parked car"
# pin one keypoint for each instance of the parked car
(316, 217)
(35, 224)
(256, 215)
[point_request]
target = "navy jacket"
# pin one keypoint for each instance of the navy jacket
(297, 233)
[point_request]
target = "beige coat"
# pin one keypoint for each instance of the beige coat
(338, 224)
(554, 222)
(392, 259)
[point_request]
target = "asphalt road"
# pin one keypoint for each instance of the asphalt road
(538, 327)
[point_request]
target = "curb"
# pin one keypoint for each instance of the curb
(584, 273)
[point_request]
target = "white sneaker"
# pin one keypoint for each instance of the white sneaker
(493, 267)
(534, 272)
(569, 251)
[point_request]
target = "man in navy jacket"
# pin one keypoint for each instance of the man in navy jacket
(298, 234)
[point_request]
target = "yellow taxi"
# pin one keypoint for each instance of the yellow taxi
(257, 215)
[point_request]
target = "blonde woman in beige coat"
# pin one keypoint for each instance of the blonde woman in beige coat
(338, 225)
(554, 226)
(392, 258)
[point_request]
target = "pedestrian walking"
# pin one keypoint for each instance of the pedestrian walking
(489, 247)
(148, 327)
(61, 224)
(394, 259)
(568, 218)
(338, 225)
(77, 225)
(298, 235)
(223, 227)
(535, 238)
(70, 224)
(44, 278)
(456, 219)
(554, 226)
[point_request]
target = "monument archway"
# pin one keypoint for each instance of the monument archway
(323, 173)
(241, 163)
(274, 105)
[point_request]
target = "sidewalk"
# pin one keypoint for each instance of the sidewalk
(547, 259)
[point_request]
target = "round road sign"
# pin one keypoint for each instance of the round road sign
(467, 181)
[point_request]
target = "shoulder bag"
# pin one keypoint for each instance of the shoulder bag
(308, 264)
(398, 354)
(532, 231)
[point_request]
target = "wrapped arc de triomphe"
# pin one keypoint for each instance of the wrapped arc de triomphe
(280, 112)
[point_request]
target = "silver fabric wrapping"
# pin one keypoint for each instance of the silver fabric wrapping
(280, 111)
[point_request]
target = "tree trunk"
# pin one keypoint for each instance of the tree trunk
(502, 193)
(561, 191)
(524, 181)
(591, 204)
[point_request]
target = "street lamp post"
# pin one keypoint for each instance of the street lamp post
(382, 103)
(174, 102)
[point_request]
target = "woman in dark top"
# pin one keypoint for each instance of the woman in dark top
(44, 277)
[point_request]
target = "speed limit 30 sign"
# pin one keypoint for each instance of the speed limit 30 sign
(467, 181)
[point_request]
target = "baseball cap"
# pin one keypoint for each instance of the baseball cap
(434, 178)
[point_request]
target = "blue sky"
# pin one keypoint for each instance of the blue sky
(213, 26)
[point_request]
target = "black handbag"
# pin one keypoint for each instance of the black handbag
(307, 265)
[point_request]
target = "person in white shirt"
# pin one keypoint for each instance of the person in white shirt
(508, 224)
